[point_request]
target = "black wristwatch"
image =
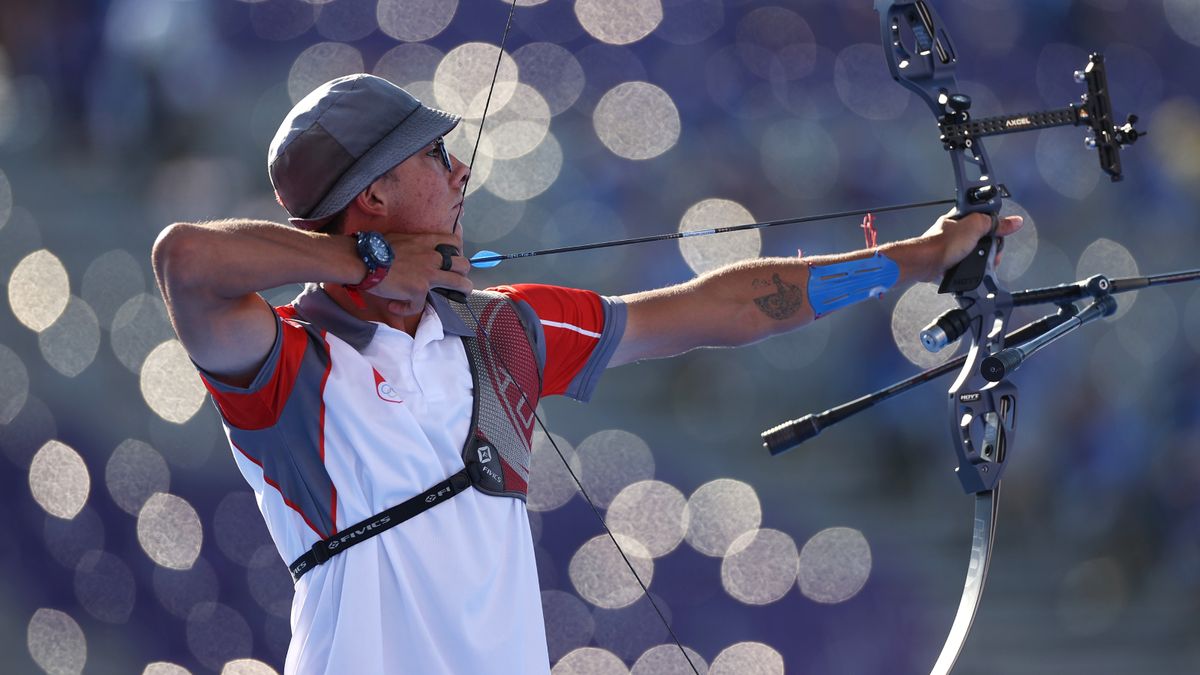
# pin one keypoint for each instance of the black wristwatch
(377, 255)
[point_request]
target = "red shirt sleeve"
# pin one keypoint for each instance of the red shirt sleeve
(258, 405)
(572, 323)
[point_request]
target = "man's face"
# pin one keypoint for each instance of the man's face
(424, 192)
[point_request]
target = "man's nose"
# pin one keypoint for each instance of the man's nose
(459, 172)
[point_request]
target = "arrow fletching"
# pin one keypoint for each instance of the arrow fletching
(485, 259)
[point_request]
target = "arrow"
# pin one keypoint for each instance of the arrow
(486, 259)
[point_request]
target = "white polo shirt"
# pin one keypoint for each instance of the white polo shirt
(347, 419)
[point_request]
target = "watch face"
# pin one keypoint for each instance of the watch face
(380, 251)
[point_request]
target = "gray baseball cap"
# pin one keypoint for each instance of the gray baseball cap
(341, 137)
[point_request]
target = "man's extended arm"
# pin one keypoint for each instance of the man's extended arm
(749, 301)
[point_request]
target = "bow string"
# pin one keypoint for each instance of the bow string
(528, 401)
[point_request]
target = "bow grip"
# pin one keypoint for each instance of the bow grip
(968, 273)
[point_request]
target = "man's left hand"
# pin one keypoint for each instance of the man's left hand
(953, 238)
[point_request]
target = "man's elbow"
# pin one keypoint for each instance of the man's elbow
(176, 255)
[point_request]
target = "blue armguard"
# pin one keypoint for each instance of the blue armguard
(836, 285)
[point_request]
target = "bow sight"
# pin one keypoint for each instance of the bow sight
(1094, 111)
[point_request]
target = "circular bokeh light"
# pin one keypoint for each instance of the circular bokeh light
(169, 531)
(170, 384)
(247, 667)
(651, 512)
(409, 63)
(270, 583)
(109, 281)
(619, 22)
(553, 71)
(719, 512)
(56, 642)
(38, 290)
(519, 127)
(637, 120)
(70, 344)
(464, 79)
(864, 84)
(59, 480)
(320, 63)
(611, 459)
(667, 660)
(834, 565)
(105, 587)
(707, 253)
(599, 573)
(134, 472)
(760, 566)
(747, 658)
(590, 661)
(140, 325)
(529, 175)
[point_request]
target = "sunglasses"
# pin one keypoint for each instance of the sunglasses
(439, 150)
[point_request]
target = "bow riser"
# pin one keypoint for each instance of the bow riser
(922, 58)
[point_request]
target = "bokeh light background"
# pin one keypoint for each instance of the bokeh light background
(132, 545)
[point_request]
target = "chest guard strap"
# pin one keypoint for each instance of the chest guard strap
(379, 523)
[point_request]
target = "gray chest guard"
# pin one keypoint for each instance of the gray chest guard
(507, 384)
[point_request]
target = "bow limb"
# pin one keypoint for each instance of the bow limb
(982, 536)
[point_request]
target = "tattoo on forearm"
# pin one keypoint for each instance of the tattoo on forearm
(783, 303)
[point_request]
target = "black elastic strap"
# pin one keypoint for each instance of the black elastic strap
(381, 522)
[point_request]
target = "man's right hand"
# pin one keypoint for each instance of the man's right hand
(417, 269)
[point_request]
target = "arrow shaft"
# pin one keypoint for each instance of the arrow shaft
(715, 230)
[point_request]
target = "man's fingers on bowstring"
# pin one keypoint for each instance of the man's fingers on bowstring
(458, 263)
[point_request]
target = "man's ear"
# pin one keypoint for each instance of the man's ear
(371, 200)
